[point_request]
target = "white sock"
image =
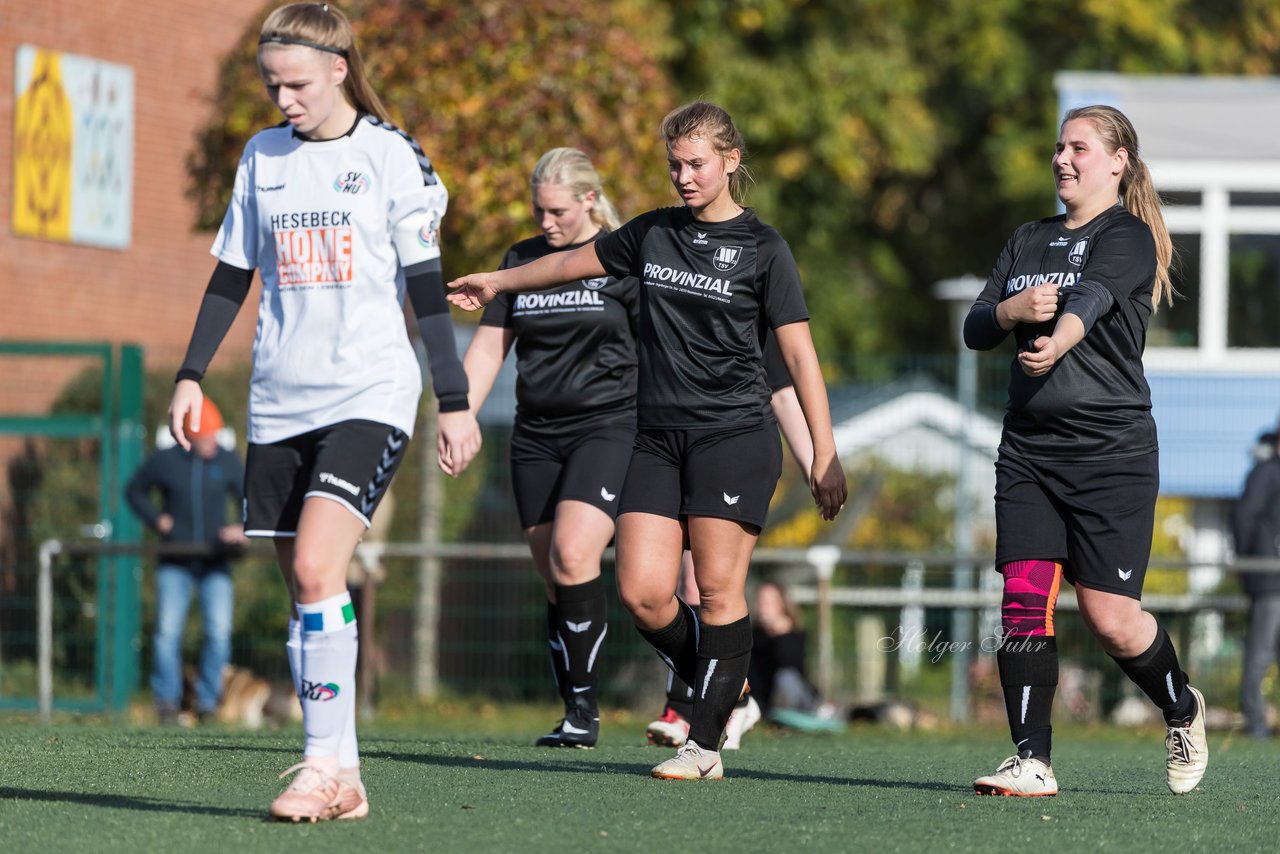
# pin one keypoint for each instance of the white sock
(348, 746)
(294, 648)
(328, 673)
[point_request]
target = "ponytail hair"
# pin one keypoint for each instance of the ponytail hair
(571, 169)
(1137, 192)
(323, 27)
(704, 119)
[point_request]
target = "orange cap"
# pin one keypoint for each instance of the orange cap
(210, 421)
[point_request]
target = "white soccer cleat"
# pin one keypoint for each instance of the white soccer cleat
(315, 795)
(691, 762)
(1187, 750)
(1019, 776)
(351, 778)
(743, 718)
(670, 730)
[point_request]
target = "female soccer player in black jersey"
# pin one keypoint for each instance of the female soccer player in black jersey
(339, 212)
(575, 421)
(707, 455)
(1077, 473)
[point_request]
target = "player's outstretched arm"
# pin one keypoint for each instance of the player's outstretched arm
(826, 476)
(476, 290)
(786, 408)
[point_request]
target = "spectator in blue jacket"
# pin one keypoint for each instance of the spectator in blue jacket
(195, 488)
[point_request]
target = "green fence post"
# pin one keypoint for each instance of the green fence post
(129, 434)
(104, 652)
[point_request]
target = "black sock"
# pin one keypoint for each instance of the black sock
(724, 655)
(582, 624)
(1029, 677)
(679, 696)
(559, 667)
(1159, 675)
(677, 643)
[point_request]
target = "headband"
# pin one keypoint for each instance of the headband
(279, 39)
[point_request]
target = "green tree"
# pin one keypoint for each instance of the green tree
(485, 88)
(898, 142)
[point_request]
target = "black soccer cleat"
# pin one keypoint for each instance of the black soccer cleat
(580, 727)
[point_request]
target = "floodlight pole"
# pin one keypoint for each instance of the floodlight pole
(959, 293)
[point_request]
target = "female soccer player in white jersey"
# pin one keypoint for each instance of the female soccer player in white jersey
(707, 457)
(575, 422)
(1077, 473)
(339, 212)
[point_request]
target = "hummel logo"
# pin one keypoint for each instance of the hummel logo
(730, 499)
(1125, 574)
(607, 495)
(573, 730)
(578, 628)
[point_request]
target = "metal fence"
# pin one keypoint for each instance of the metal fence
(455, 607)
(881, 624)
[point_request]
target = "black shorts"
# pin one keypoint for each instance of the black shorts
(350, 462)
(1095, 517)
(725, 472)
(588, 466)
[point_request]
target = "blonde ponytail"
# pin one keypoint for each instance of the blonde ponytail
(571, 169)
(1137, 191)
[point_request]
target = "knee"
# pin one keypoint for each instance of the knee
(647, 605)
(572, 562)
(1115, 631)
(312, 574)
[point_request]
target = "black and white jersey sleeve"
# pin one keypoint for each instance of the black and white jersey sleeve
(576, 360)
(1095, 403)
(709, 293)
(775, 368)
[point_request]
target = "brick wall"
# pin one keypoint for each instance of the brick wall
(149, 292)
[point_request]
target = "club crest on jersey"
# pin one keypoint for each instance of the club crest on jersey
(1079, 252)
(351, 183)
(726, 257)
(595, 284)
(427, 235)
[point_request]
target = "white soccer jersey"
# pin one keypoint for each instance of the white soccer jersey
(330, 226)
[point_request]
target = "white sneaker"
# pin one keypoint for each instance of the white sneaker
(744, 717)
(691, 763)
(1187, 751)
(316, 795)
(351, 777)
(1019, 776)
(670, 730)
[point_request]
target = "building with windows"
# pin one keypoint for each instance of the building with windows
(1213, 359)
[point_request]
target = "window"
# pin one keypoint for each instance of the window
(1253, 281)
(1178, 326)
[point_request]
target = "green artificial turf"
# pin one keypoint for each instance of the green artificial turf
(441, 785)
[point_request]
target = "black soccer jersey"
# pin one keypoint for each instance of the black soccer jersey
(710, 292)
(775, 369)
(575, 346)
(1095, 403)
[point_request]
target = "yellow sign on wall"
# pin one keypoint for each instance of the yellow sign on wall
(73, 149)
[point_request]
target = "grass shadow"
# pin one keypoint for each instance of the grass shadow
(577, 767)
(126, 802)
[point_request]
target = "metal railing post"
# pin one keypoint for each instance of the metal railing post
(823, 559)
(49, 549)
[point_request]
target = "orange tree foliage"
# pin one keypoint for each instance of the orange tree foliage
(485, 87)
